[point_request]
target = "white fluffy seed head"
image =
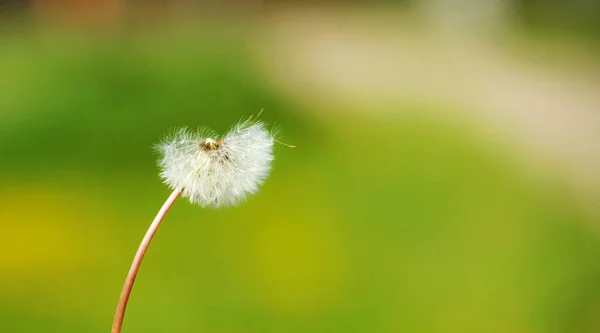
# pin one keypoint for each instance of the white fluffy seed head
(213, 171)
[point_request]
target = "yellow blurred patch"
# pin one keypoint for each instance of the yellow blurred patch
(301, 269)
(49, 241)
(296, 263)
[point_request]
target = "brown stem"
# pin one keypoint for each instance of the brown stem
(137, 260)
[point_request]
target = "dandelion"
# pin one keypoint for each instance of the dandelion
(209, 171)
(217, 172)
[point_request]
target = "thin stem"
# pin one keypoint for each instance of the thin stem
(137, 260)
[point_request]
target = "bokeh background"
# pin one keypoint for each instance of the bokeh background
(447, 175)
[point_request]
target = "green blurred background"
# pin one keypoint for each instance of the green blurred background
(446, 176)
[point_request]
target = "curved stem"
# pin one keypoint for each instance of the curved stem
(137, 260)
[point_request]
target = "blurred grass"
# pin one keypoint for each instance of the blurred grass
(369, 226)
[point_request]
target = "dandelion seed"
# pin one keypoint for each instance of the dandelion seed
(210, 171)
(217, 172)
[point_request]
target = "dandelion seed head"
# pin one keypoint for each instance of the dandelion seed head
(217, 172)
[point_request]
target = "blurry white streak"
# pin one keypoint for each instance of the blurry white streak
(375, 61)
